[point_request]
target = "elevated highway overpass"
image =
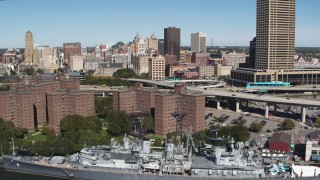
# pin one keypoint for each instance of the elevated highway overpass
(170, 84)
(269, 100)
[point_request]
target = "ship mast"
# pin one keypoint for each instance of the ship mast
(178, 116)
(13, 153)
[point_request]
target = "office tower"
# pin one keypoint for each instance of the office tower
(172, 41)
(199, 42)
(28, 54)
(71, 49)
(275, 34)
(252, 52)
(161, 46)
(157, 68)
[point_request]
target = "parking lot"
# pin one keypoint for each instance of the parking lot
(268, 129)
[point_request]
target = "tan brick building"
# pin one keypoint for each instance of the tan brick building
(157, 68)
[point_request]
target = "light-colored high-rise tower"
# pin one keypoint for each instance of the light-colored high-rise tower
(275, 43)
(199, 42)
(28, 53)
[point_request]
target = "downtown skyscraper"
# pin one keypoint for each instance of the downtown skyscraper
(28, 55)
(172, 41)
(275, 38)
(199, 42)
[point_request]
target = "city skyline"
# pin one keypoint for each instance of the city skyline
(227, 23)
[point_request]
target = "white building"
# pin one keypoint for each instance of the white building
(76, 63)
(97, 51)
(234, 59)
(49, 61)
(199, 42)
(91, 64)
(107, 69)
(152, 42)
(206, 71)
(157, 68)
(220, 70)
(119, 58)
(140, 64)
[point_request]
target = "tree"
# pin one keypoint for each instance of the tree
(199, 136)
(39, 71)
(71, 123)
(118, 123)
(61, 69)
(103, 105)
(6, 74)
(239, 132)
(255, 127)
(74, 123)
(29, 71)
(144, 76)
(148, 124)
(288, 124)
(223, 77)
(5, 87)
(13, 73)
(92, 123)
(124, 73)
(318, 120)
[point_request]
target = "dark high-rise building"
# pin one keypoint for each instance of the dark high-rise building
(252, 52)
(71, 49)
(161, 46)
(172, 41)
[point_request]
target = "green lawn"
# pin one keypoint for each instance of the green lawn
(37, 136)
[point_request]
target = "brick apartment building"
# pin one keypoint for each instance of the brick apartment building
(160, 104)
(62, 103)
(26, 103)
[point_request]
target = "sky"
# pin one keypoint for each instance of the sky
(226, 22)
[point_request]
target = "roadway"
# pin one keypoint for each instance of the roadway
(218, 92)
(170, 84)
(263, 98)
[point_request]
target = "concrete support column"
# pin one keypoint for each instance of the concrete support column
(266, 114)
(247, 105)
(218, 105)
(103, 94)
(237, 106)
(303, 114)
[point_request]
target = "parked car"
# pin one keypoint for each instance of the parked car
(269, 131)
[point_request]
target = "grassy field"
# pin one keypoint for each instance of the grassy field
(37, 136)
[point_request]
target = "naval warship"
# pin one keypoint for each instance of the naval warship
(137, 160)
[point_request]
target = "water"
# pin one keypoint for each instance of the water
(4, 175)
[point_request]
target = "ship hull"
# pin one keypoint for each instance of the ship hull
(91, 173)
